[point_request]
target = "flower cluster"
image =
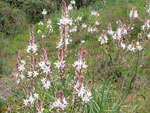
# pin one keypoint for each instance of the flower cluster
(71, 5)
(122, 32)
(83, 92)
(31, 96)
(46, 83)
(95, 13)
(135, 45)
(20, 65)
(64, 24)
(80, 64)
(32, 47)
(103, 38)
(133, 13)
(60, 64)
(44, 64)
(60, 101)
(40, 108)
(39, 71)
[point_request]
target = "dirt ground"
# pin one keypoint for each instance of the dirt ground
(7, 82)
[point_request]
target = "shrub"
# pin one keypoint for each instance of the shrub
(34, 8)
(12, 20)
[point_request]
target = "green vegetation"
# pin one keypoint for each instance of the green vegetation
(117, 88)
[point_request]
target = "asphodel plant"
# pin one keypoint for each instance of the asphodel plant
(42, 87)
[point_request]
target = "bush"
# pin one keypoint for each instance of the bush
(12, 20)
(34, 8)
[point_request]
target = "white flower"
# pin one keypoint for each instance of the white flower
(29, 73)
(59, 64)
(82, 41)
(40, 110)
(138, 45)
(31, 100)
(86, 96)
(45, 67)
(133, 13)
(18, 81)
(79, 65)
(22, 76)
(94, 13)
(73, 2)
(59, 104)
(123, 46)
(148, 36)
(35, 74)
(90, 29)
(46, 83)
(97, 23)
(43, 80)
(36, 96)
(16, 75)
(65, 21)
(21, 67)
(103, 39)
(82, 92)
(146, 25)
(43, 36)
(110, 32)
(26, 102)
(74, 29)
(84, 25)
(23, 62)
(44, 12)
(39, 31)
(70, 7)
(49, 21)
(41, 23)
(79, 18)
(131, 48)
(31, 48)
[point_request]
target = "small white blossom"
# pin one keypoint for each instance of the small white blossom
(29, 73)
(65, 21)
(39, 31)
(70, 7)
(26, 102)
(32, 48)
(79, 65)
(41, 23)
(36, 96)
(43, 36)
(45, 67)
(44, 12)
(84, 26)
(131, 48)
(22, 76)
(123, 46)
(103, 38)
(31, 100)
(59, 104)
(96, 23)
(138, 45)
(59, 64)
(73, 2)
(82, 41)
(35, 74)
(46, 83)
(94, 13)
(148, 36)
(21, 67)
(133, 13)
